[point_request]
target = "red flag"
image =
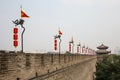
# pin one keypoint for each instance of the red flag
(23, 14)
(60, 33)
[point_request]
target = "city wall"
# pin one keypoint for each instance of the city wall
(27, 66)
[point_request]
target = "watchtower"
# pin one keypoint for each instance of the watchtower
(102, 50)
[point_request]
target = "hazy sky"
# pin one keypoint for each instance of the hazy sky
(90, 22)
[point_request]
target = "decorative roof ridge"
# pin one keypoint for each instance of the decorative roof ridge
(102, 46)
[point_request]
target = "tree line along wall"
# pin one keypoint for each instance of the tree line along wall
(24, 66)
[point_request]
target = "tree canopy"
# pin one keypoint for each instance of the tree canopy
(108, 68)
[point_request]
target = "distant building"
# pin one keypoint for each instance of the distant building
(102, 50)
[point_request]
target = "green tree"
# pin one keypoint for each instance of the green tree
(108, 68)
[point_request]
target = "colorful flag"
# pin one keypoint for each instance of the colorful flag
(23, 14)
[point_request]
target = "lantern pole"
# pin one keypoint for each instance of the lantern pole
(20, 22)
(59, 43)
(73, 48)
(59, 46)
(78, 48)
(70, 46)
(22, 38)
(72, 42)
(58, 36)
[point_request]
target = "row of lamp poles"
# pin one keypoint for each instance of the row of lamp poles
(21, 21)
(71, 44)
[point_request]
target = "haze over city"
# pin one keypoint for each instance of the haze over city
(90, 22)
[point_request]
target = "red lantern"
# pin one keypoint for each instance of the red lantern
(55, 44)
(69, 47)
(15, 43)
(15, 37)
(82, 49)
(15, 30)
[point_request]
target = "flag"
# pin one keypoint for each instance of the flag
(23, 14)
(60, 33)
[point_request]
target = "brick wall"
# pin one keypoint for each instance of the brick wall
(25, 66)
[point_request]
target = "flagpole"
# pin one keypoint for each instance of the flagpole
(22, 32)
(59, 48)
(20, 10)
(72, 45)
(73, 48)
(59, 36)
(22, 37)
(20, 22)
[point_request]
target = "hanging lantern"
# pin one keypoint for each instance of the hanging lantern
(80, 49)
(15, 36)
(83, 50)
(15, 43)
(69, 47)
(15, 30)
(55, 44)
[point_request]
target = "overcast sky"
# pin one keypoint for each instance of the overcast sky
(90, 22)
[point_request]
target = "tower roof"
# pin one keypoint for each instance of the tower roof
(102, 52)
(102, 46)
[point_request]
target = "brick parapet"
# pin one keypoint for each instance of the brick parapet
(28, 65)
